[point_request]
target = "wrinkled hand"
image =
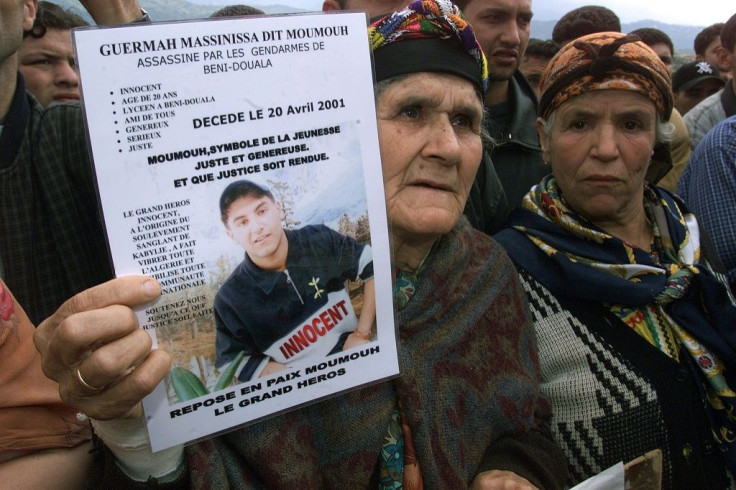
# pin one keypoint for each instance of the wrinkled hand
(500, 480)
(112, 12)
(95, 335)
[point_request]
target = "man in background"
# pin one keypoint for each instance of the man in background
(722, 104)
(535, 60)
(52, 243)
(503, 28)
(588, 19)
(708, 185)
(693, 82)
(660, 43)
(706, 46)
(237, 11)
(46, 56)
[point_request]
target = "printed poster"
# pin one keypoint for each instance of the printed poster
(237, 162)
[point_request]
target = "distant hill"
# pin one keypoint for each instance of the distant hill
(682, 36)
(179, 9)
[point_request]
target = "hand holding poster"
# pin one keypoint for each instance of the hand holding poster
(237, 163)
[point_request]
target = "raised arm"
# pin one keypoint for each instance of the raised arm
(112, 12)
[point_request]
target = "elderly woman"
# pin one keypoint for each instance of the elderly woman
(466, 408)
(636, 332)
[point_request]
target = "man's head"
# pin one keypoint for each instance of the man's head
(46, 57)
(16, 16)
(237, 11)
(727, 50)
(659, 42)
(707, 42)
(535, 60)
(252, 219)
(693, 82)
(588, 19)
(373, 8)
(503, 28)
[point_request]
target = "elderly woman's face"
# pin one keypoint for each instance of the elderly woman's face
(599, 148)
(429, 131)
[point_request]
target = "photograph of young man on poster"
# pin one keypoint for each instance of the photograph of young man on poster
(287, 301)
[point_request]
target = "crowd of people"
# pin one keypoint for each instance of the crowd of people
(565, 289)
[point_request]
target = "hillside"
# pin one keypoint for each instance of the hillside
(177, 9)
(162, 10)
(682, 36)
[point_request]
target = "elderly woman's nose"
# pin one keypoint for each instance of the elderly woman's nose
(442, 141)
(605, 144)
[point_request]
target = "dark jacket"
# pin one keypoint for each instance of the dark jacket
(487, 207)
(517, 158)
(52, 243)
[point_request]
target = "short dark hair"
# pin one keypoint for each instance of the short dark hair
(705, 37)
(541, 48)
(237, 11)
(651, 36)
(51, 16)
(238, 189)
(728, 34)
(588, 19)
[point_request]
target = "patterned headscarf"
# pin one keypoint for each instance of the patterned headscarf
(605, 61)
(441, 40)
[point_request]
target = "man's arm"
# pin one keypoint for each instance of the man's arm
(228, 345)
(363, 333)
(112, 12)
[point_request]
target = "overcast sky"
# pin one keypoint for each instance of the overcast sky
(684, 12)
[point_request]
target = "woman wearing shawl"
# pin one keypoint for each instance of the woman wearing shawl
(636, 332)
(466, 409)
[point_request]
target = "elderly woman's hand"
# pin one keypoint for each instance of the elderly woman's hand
(93, 348)
(500, 480)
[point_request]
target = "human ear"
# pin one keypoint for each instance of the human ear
(328, 5)
(543, 140)
(725, 59)
(29, 14)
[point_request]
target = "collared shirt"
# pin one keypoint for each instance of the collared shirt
(708, 186)
(517, 158)
(52, 243)
(297, 314)
(711, 110)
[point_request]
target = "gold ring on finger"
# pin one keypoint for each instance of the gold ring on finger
(85, 384)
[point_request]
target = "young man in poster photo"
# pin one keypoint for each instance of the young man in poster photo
(287, 300)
